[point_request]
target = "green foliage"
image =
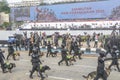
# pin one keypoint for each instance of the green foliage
(4, 7)
(6, 24)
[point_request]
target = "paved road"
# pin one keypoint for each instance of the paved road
(62, 72)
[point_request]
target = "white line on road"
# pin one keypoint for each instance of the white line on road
(85, 66)
(28, 74)
(60, 78)
(24, 60)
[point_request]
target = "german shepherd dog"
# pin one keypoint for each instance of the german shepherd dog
(41, 54)
(9, 66)
(70, 59)
(78, 54)
(93, 74)
(53, 54)
(43, 69)
(17, 55)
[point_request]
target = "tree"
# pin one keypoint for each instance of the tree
(4, 6)
(6, 24)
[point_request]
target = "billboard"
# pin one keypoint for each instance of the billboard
(20, 14)
(101, 9)
(109, 9)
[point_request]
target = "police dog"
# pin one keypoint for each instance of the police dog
(78, 54)
(93, 74)
(43, 69)
(70, 59)
(9, 66)
(17, 55)
(53, 54)
(41, 54)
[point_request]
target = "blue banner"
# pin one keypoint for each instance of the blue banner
(108, 9)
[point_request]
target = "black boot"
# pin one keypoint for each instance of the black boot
(42, 78)
(59, 63)
(31, 77)
(4, 71)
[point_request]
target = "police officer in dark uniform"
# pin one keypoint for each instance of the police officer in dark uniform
(48, 48)
(2, 61)
(63, 55)
(10, 51)
(36, 64)
(17, 42)
(30, 48)
(72, 46)
(100, 68)
(76, 50)
(114, 58)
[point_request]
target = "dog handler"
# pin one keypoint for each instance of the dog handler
(64, 56)
(114, 58)
(36, 64)
(100, 68)
(49, 49)
(2, 61)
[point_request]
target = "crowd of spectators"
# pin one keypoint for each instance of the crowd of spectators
(115, 13)
(70, 25)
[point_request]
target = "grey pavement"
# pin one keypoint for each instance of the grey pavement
(62, 72)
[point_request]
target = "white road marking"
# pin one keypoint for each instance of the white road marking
(24, 60)
(60, 78)
(28, 74)
(85, 66)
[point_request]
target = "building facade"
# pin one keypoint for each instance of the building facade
(25, 3)
(4, 18)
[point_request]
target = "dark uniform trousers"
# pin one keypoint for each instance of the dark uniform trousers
(2, 65)
(64, 57)
(2, 61)
(100, 70)
(101, 74)
(36, 67)
(48, 49)
(10, 52)
(114, 61)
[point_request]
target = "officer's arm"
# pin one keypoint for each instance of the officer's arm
(40, 61)
(101, 60)
(3, 56)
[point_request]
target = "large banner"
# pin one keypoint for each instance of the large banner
(20, 14)
(108, 9)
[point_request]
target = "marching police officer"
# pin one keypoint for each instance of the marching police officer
(76, 50)
(10, 51)
(30, 47)
(100, 68)
(2, 61)
(48, 48)
(114, 58)
(17, 42)
(36, 64)
(64, 56)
